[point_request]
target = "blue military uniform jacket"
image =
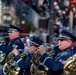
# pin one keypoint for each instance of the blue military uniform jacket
(55, 65)
(24, 64)
(8, 48)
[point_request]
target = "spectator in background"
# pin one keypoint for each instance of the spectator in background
(57, 25)
(40, 3)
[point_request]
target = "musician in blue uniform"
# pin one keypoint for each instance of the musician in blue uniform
(55, 65)
(14, 33)
(25, 63)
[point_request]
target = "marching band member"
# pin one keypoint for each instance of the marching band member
(15, 41)
(56, 64)
(25, 63)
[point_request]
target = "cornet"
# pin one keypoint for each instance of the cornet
(37, 68)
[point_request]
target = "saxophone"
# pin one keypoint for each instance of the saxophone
(11, 67)
(37, 68)
(70, 66)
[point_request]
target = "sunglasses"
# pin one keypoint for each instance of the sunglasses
(63, 39)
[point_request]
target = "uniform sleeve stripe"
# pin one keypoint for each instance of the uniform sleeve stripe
(19, 60)
(45, 60)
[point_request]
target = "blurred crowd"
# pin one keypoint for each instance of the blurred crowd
(62, 12)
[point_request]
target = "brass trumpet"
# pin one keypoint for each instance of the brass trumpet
(37, 68)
